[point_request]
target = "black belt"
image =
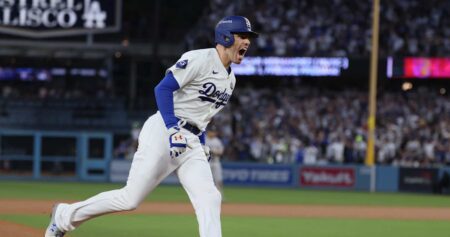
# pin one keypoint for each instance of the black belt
(192, 128)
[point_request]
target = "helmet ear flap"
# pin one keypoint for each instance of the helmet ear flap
(228, 39)
(224, 38)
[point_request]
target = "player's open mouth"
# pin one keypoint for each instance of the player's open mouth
(242, 52)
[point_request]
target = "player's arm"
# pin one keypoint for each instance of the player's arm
(164, 100)
(180, 74)
(177, 76)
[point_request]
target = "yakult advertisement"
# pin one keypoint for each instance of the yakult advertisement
(327, 177)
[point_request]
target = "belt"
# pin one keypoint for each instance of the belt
(192, 128)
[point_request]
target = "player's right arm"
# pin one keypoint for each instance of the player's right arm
(164, 100)
(176, 77)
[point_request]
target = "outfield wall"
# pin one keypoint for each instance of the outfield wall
(328, 177)
(87, 156)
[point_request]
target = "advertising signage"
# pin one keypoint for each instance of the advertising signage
(258, 175)
(47, 74)
(422, 180)
(294, 66)
(418, 67)
(327, 177)
(54, 18)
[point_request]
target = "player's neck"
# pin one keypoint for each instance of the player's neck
(226, 61)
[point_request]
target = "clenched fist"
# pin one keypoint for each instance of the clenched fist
(178, 143)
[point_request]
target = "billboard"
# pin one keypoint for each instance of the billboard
(24, 74)
(241, 174)
(418, 67)
(52, 18)
(327, 177)
(293, 66)
(422, 180)
(47, 74)
(258, 175)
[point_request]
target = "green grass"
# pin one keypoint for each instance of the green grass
(185, 225)
(79, 191)
(170, 225)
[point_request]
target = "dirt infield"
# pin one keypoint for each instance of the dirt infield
(9, 229)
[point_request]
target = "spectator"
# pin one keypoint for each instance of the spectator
(272, 126)
(336, 27)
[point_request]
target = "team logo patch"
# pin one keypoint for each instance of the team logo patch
(182, 64)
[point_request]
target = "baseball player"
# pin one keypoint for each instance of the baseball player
(193, 90)
(216, 151)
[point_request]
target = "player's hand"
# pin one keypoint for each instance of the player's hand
(207, 152)
(178, 142)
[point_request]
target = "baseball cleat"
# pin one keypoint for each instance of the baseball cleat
(52, 229)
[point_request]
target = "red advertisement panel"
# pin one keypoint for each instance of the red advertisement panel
(427, 67)
(327, 177)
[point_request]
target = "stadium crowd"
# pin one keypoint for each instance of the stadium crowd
(334, 27)
(313, 125)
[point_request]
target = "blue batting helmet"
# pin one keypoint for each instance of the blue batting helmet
(231, 25)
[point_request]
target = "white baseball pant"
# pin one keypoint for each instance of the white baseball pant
(151, 164)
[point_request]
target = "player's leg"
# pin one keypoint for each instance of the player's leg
(150, 165)
(196, 178)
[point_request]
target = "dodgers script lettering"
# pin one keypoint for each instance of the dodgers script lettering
(213, 95)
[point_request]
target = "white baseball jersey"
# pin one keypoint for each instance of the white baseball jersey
(205, 86)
